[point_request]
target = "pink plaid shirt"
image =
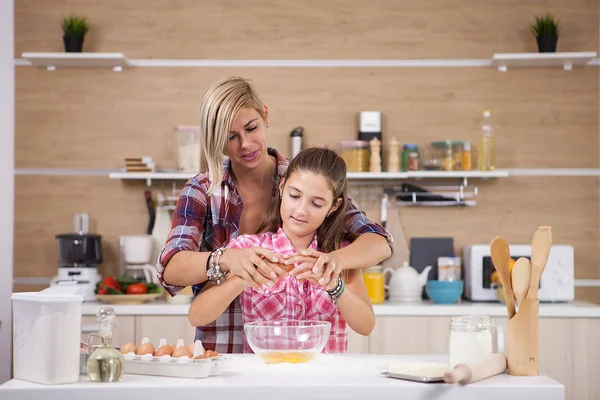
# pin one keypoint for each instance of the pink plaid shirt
(290, 299)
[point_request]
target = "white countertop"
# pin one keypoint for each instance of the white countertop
(575, 309)
(343, 377)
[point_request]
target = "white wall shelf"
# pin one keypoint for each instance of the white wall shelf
(118, 61)
(51, 61)
(566, 60)
(391, 176)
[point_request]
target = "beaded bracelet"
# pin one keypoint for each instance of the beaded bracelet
(214, 272)
(337, 291)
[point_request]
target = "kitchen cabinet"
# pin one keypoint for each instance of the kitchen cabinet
(171, 328)
(123, 330)
(568, 348)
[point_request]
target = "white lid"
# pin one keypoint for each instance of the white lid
(63, 292)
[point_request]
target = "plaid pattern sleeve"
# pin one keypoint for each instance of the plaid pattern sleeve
(187, 227)
(356, 221)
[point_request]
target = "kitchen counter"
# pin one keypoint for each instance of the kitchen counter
(343, 377)
(575, 309)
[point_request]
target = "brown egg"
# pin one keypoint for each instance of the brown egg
(165, 350)
(145, 348)
(182, 351)
(191, 347)
(128, 348)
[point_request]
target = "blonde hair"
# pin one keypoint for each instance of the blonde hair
(220, 104)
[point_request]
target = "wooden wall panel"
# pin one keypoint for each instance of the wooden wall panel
(348, 29)
(45, 206)
(544, 118)
(93, 119)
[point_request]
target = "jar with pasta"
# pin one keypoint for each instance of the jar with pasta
(356, 155)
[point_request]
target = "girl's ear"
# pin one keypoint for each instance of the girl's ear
(281, 185)
(266, 114)
(335, 206)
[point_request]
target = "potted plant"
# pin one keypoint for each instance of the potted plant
(546, 29)
(74, 30)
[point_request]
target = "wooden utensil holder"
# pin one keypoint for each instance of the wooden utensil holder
(522, 340)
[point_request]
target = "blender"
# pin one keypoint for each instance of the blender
(79, 254)
(136, 257)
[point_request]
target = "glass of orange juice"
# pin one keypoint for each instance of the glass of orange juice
(375, 284)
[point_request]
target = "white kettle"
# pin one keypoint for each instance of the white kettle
(406, 284)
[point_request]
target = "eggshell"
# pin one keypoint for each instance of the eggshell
(128, 348)
(182, 351)
(146, 348)
(164, 350)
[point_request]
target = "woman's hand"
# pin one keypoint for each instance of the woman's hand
(256, 265)
(322, 268)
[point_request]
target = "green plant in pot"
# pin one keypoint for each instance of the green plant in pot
(74, 30)
(546, 29)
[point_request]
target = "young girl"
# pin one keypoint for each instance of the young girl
(307, 213)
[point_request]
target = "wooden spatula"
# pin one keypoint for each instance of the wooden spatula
(500, 253)
(520, 278)
(540, 250)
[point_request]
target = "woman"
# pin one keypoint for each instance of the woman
(230, 198)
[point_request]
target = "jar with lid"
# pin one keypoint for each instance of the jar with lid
(471, 338)
(410, 157)
(444, 149)
(188, 148)
(375, 284)
(356, 155)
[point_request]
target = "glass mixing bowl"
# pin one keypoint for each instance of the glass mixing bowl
(287, 340)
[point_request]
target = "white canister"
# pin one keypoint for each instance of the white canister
(47, 334)
(471, 338)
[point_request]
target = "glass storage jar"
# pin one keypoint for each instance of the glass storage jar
(188, 148)
(356, 155)
(471, 338)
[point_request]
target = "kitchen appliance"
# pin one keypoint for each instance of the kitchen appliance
(369, 127)
(79, 255)
(557, 283)
(136, 257)
(405, 283)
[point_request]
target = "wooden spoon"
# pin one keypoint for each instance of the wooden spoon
(540, 250)
(521, 277)
(500, 253)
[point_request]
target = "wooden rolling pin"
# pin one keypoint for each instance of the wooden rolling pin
(476, 371)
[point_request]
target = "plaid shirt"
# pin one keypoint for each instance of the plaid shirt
(202, 223)
(289, 299)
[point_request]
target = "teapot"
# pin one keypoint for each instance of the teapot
(406, 284)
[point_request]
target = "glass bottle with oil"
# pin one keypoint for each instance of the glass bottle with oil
(105, 364)
(486, 158)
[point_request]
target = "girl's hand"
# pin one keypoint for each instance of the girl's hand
(316, 266)
(256, 265)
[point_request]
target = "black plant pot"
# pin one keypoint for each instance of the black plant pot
(73, 43)
(547, 44)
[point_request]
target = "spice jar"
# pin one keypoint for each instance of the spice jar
(375, 284)
(356, 155)
(410, 157)
(471, 338)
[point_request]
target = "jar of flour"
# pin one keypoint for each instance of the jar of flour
(471, 338)
(47, 334)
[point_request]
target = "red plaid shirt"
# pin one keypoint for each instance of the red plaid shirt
(290, 299)
(203, 223)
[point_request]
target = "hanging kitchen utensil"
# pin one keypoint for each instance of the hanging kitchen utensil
(151, 212)
(500, 253)
(540, 250)
(520, 278)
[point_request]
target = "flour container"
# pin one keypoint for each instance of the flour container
(47, 334)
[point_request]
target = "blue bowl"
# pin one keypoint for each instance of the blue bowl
(444, 292)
